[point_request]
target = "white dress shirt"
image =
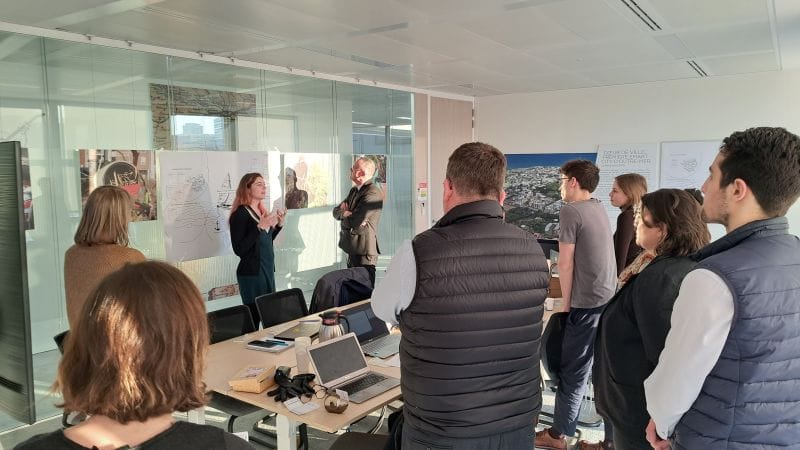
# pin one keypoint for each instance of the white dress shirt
(396, 291)
(701, 321)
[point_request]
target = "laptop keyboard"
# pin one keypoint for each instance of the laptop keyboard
(361, 383)
(384, 344)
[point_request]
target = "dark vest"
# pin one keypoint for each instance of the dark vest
(751, 398)
(470, 337)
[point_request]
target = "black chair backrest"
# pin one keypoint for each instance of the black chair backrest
(60, 339)
(230, 322)
(281, 306)
(552, 337)
(329, 289)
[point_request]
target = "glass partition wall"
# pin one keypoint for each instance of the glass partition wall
(58, 97)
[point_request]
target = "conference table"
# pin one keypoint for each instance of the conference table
(226, 358)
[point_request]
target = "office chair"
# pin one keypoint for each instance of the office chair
(225, 324)
(340, 288)
(552, 337)
(281, 306)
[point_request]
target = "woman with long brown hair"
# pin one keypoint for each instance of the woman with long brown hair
(253, 229)
(626, 193)
(101, 246)
(636, 321)
(136, 355)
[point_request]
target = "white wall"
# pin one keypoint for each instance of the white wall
(699, 109)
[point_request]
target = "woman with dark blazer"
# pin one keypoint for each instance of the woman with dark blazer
(253, 229)
(635, 323)
(626, 193)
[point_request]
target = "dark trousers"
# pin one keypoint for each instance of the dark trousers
(519, 439)
(577, 351)
(365, 262)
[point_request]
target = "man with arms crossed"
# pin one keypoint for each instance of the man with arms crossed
(729, 375)
(468, 295)
(587, 273)
(360, 214)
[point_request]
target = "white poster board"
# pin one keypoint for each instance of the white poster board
(618, 159)
(197, 190)
(684, 164)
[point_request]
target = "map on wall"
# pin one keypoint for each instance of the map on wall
(132, 170)
(533, 197)
(198, 189)
(307, 180)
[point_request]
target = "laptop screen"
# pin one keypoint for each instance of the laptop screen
(364, 323)
(336, 359)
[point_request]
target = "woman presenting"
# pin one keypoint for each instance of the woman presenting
(253, 229)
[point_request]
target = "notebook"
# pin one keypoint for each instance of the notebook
(340, 364)
(371, 331)
(302, 329)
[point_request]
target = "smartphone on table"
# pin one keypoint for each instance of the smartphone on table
(269, 345)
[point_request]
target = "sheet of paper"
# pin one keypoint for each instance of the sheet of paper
(298, 407)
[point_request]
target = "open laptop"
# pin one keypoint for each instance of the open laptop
(339, 364)
(371, 331)
(302, 329)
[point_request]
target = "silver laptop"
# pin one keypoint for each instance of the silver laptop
(340, 364)
(371, 332)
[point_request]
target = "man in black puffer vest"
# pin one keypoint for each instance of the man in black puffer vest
(729, 375)
(468, 295)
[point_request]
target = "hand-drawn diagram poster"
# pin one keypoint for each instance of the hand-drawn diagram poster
(685, 165)
(617, 159)
(132, 170)
(533, 198)
(198, 189)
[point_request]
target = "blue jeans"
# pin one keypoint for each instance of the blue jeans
(577, 351)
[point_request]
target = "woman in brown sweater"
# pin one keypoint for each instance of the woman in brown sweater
(626, 194)
(101, 246)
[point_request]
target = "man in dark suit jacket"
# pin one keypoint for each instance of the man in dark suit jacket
(360, 214)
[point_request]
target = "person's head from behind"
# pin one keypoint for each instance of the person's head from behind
(139, 348)
(696, 194)
(627, 190)
(670, 222)
(105, 217)
(475, 171)
(363, 170)
(754, 176)
(252, 187)
(578, 175)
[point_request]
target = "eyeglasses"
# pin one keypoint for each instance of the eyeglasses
(564, 179)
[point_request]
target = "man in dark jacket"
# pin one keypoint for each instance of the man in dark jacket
(360, 214)
(729, 374)
(468, 295)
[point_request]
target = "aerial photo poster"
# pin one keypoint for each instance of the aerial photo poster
(533, 198)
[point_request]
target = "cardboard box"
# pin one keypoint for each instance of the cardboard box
(254, 379)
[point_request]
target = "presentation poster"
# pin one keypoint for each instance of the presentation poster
(618, 159)
(685, 164)
(132, 170)
(307, 180)
(198, 189)
(533, 196)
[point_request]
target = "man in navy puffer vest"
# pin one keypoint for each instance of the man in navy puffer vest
(468, 297)
(729, 375)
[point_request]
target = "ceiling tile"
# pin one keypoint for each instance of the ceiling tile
(643, 73)
(744, 38)
(358, 14)
(385, 50)
(592, 20)
(301, 58)
(602, 55)
(691, 14)
(729, 65)
(523, 29)
(158, 29)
